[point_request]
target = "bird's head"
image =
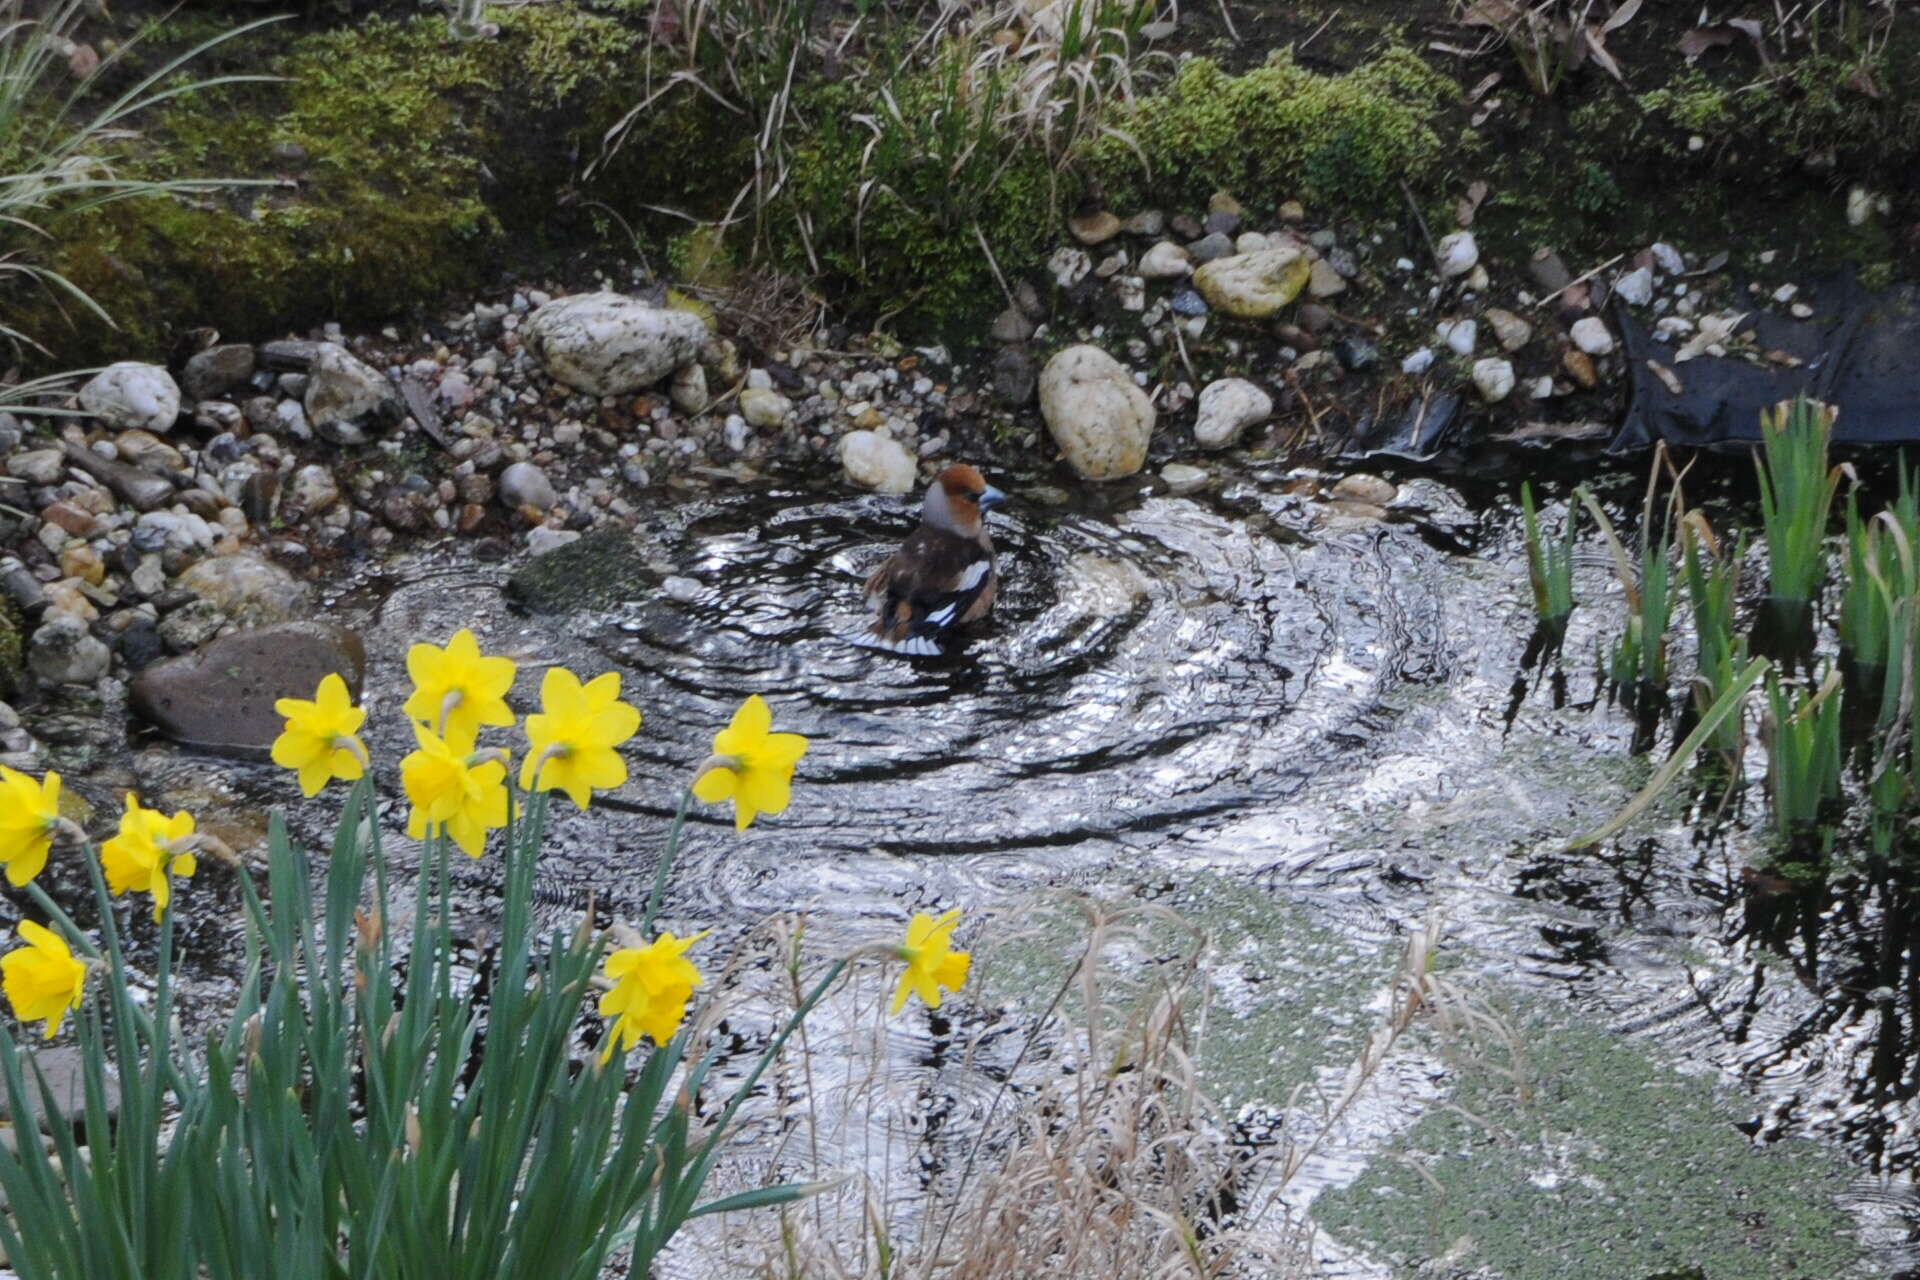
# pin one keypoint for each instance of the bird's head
(959, 497)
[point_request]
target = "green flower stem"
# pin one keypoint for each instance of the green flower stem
(665, 868)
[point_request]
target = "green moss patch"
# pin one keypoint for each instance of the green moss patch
(1281, 131)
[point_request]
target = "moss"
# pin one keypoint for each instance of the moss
(1281, 131)
(393, 171)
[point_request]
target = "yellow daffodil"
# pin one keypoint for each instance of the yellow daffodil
(452, 786)
(455, 690)
(750, 765)
(651, 987)
(42, 979)
(150, 849)
(932, 963)
(571, 741)
(29, 815)
(321, 740)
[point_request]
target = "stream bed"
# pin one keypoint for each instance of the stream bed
(1303, 727)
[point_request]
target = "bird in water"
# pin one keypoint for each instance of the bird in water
(943, 575)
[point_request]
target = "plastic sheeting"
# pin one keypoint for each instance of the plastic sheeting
(1859, 351)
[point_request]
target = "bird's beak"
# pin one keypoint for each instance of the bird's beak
(991, 499)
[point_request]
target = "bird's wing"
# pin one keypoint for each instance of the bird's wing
(929, 587)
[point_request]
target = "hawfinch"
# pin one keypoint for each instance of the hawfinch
(942, 577)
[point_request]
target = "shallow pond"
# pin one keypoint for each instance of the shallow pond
(1252, 686)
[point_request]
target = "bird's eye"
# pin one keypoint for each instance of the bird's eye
(971, 497)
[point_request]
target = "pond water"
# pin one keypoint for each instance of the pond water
(1252, 683)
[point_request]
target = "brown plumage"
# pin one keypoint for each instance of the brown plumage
(943, 577)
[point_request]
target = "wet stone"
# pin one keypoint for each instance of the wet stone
(601, 569)
(221, 696)
(212, 373)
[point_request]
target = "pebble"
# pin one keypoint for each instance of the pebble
(1362, 487)
(1493, 379)
(1228, 407)
(1181, 478)
(132, 394)
(689, 389)
(1069, 266)
(1509, 330)
(1458, 254)
(1635, 288)
(542, 540)
(1668, 259)
(63, 651)
(1591, 335)
(1210, 248)
(212, 373)
(765, 409)
(1253, 286)
(525, 485)
(38, 466)
(1580, 367)
(191, 625)
(1095, 228)
(1147, 222)
(1323, 281)
(1418, 361)
(1165, 261)
(1459, 336)
(875, 460)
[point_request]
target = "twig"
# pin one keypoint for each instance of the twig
(1421, 218)
(1580, 279)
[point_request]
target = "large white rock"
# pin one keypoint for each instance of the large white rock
(1097, 415)
(1165, 261)
(1227, 408)
(1252, 286)
(765, 409)
(252, 591)
(131, 394)
(345, 394)
(1458, 253)
(1591, 336)
(875, 460)
(607, 344)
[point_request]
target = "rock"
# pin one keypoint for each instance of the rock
(292, 354)
(132, 394)
(63, 1068)
(212, 373)
(1131, 293)
(1591, 336)
(1636, 287)
(1095, 412)
(875, 460)
(1580, 367)
(544, 540)
(63, 651)
(525, 485)
(347, 398)
(1228, 407)
(1368, 489)
(1147, 222)
(606, 567)
(1668, 259)
(765, 409)
(1549, 272)
(689, 391)
(608, 344)
(191, 625)
(1323, 281)
(1094, 228)
(1509, 330)
(1014, 377)
(38, 466)
(1068, 266)
(1188, 302)
(1253, 286)
(221, 695)
(251, 591)
(1165, 261)
(1010, 326)
(142, 490)
(145, 450)
(1459, 335)
(1211, 248)
(1181, 478)
(1493, 378)
(1418, 361)
(1458, 254)
(313, 491)
(1356, 353)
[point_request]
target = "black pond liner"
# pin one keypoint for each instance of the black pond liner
(1860, 351)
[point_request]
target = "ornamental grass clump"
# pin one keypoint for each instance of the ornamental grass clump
(1796, 496)
(1878, 607)
(1713, 590)
(356, 1114)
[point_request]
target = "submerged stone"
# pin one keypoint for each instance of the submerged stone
(221, 695)
(603, 568)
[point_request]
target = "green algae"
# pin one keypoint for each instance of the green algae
(1613, 1166)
